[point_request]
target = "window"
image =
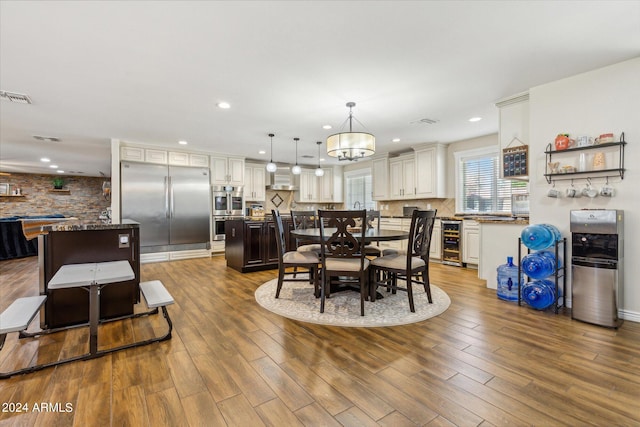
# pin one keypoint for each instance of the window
(479, 188)
(359, 190)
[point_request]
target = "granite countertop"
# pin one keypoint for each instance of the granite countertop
(77, 225)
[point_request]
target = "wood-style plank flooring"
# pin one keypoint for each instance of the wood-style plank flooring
(231, 363)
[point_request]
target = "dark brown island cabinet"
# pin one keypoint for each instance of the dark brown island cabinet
(250, 245)
(77, 244)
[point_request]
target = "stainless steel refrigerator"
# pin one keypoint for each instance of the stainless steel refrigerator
(171, 203)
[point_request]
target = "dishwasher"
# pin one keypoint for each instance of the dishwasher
(597, 237)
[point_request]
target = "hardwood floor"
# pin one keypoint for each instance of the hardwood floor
(482, 362)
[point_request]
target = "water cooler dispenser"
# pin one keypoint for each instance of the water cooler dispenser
(597, 266)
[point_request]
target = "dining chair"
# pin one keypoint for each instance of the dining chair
(412, 267)
(308, 260)
(373, 222)
(393, 251)
(303, 220)
(342, 254)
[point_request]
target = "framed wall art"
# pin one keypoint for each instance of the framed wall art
(515, 160)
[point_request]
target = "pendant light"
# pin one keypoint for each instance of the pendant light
(351, 145)
(271, 167)
(319, 171)
(296, 169)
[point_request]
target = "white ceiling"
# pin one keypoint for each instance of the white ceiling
(153, 72)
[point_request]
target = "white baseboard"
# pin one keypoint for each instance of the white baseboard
(195, 253)
(154, 257)
(631, 316)
(177, 255)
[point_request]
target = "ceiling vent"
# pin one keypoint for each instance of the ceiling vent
(424, 122)
(15, 97)
(46, 138)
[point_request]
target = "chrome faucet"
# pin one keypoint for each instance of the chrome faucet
(356, 203)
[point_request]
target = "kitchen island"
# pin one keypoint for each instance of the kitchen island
(498, 240)
(250, 244)
(77, 242)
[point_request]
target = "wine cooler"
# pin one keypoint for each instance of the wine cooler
(452, 242)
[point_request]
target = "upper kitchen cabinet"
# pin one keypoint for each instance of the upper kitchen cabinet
(380, 176)
(139, 154)
(430, 163)
(514, 124)
(320, 189)
(402, 177)
(180, 158)
(227, 170)
(255, 182)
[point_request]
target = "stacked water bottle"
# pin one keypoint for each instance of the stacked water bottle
(540, 293)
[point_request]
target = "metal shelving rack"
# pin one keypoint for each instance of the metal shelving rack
(602, 173)
(559, 273)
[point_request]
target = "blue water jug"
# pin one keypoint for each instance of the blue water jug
(541, 264)
(540, 236)
(539, 294)
(508, 281)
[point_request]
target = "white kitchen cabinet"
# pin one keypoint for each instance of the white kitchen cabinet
(471, 242)
(430, 163)
(155, 156)
(435, 248)
(323, 189)
(380, 177)
(393, 224)
(513, 126)
(307, 186)
(402, 178)
(255, 183)
(227, 170)
(200, 160)
(178, 158)
(135, 154)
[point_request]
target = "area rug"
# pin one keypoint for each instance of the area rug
(297, 302)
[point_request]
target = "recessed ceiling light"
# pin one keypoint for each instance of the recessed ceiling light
(475, 119)
(53, 166)
(322, 160)
(326, 127)
(224, 105)
(395, 140)
(44, 159)
(262, 152)
(60, 171)
(182, 142)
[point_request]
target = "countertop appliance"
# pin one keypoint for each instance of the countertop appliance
(171, 203)
(451, 242)
(597, 237)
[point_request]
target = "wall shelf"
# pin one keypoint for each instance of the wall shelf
(61, 191)
(12, 196)
(588, 175)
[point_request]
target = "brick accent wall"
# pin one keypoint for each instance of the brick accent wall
(84, 200)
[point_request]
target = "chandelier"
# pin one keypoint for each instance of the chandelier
(351, 145)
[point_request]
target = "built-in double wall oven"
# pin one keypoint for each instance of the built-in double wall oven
(228, 202)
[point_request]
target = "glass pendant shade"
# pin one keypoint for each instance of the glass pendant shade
(296, 169)
(271, 167)
(319, 171)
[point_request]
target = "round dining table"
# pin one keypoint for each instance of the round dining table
(371, 235)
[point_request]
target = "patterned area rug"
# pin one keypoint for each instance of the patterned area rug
(297, 302)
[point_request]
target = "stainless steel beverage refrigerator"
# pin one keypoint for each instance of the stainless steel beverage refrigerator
(172, 204)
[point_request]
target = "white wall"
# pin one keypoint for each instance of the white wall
(600, 101)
